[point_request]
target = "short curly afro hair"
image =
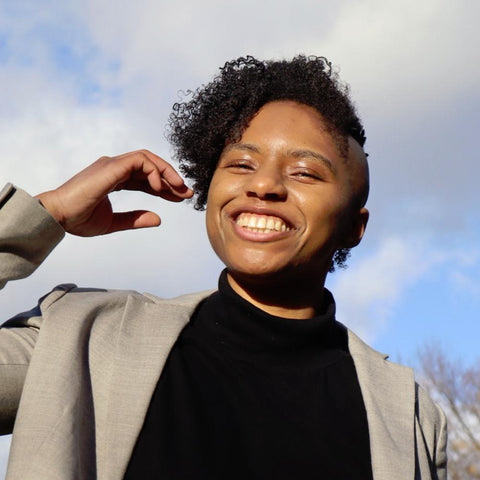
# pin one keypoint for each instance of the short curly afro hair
(219, 112)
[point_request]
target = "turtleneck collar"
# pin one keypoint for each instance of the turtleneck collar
(234, 321)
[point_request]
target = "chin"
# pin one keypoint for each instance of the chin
(292, 274)
(256, 271)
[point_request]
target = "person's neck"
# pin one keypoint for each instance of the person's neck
(288, 298)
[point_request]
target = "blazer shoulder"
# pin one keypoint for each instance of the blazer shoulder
(92, 296)
(90, 301)
(69, 297)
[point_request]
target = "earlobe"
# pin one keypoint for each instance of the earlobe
(357, 229)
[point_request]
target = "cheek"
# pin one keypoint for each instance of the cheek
(215, 195)
(211, 224)
(217, 191)
(330, 219)
(213, 219)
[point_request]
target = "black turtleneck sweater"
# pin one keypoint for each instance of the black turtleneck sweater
(247, 395)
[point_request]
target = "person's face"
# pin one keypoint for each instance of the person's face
(280, 200)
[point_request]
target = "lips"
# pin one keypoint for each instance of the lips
(260, 223)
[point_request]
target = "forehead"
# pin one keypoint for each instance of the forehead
(287, 116)
(284, 126)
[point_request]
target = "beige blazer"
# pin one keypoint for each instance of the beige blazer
(89, 372)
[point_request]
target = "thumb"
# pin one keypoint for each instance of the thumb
(132, 220)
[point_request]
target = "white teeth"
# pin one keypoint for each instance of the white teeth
(261, 223)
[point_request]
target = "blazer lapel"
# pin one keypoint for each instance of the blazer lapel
(389, 395)
(147, 333)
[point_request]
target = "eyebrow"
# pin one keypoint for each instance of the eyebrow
(301, 153)
(242, 146)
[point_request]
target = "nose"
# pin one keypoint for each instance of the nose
(267, 183)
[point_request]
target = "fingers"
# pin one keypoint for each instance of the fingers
(149, 173)
(175, 194)
(167, 191)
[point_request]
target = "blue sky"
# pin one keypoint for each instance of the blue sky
(84, 79)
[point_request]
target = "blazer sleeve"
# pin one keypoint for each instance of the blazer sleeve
(28, 233)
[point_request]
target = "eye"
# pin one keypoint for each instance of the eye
(306, 174)
(240, 165)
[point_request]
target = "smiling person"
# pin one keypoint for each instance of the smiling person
(254, 380)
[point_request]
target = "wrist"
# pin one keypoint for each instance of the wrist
(46, 200)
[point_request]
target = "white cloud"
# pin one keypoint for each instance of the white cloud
(388, 50)
(368, 292)
(47, 143)
(404, 57)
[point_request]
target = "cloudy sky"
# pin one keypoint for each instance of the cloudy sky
(79, 80)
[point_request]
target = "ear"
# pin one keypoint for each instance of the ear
(358, 224)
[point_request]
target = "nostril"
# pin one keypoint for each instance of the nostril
(266, 195)
(267, 186)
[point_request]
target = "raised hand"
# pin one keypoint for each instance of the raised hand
(82, 207)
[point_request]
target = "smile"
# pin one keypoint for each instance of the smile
(261, 223)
